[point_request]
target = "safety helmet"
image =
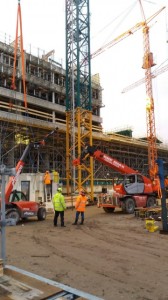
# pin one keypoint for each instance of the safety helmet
(59, 189)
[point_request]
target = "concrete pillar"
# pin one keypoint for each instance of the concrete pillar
(53, 101)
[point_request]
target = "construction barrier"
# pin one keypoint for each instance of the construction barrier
(150, 225)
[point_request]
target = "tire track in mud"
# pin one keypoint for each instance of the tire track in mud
(136, 237)
(125, 267)
(118, 236)
(71, 259)
(127, 250)
(110, 256)
(69, 256)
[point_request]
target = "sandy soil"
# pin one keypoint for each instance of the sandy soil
(111, 256)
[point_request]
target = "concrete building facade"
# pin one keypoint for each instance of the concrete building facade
(46, 102)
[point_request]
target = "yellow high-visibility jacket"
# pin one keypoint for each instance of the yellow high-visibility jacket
(59, 202)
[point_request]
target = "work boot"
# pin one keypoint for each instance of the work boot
(75, 223)
(81, 223)
(63, 226)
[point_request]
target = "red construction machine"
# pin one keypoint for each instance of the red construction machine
(135, 190)
(17, 206)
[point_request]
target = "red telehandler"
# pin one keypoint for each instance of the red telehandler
(17, 206)
(135, 190)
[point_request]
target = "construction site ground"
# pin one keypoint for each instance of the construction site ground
(112, 256)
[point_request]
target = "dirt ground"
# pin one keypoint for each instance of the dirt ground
(111, 256)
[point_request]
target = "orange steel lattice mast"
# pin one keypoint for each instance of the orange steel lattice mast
(150, 115)
(147, 65)
(19, 44)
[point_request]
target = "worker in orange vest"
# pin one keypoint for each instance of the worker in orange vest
(47, 181)
(80, 206)
(47, 178)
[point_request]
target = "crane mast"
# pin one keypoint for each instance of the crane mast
(147, 65)
(150, 115)
(78, 93)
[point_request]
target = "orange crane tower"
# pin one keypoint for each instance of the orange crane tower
(147, 65)
(150, 116)
(19, 40)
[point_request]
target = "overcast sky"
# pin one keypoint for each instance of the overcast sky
(43, 25)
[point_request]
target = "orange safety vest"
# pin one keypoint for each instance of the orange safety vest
(81, 203)
(47, 178)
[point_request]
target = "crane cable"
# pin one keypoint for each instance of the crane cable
(119, 24)
(125, 12)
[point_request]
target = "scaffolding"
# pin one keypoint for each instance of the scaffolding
(46, 101)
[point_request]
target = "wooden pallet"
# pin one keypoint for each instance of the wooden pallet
(147, 212)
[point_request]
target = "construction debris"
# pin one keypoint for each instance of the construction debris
(154, 212)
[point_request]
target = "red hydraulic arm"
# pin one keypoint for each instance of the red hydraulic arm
(105, 159)
(117, 166)
(113, 163)
(21, 163)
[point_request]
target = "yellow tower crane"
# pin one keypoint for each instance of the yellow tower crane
(74, 91)
(147, 65)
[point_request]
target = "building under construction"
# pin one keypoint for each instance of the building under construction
(38, 95)
(45, 88)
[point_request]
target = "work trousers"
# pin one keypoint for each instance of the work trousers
(82, 215)
(48, 188)
(57, 213)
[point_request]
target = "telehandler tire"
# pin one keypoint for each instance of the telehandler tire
(13, 214)
(41, 214)
(129, 206)
(151, 201)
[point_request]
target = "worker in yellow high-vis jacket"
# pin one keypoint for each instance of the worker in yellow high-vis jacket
(59, 206)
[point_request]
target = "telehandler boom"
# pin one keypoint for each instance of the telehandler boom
(17, 206)
(134, 191)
